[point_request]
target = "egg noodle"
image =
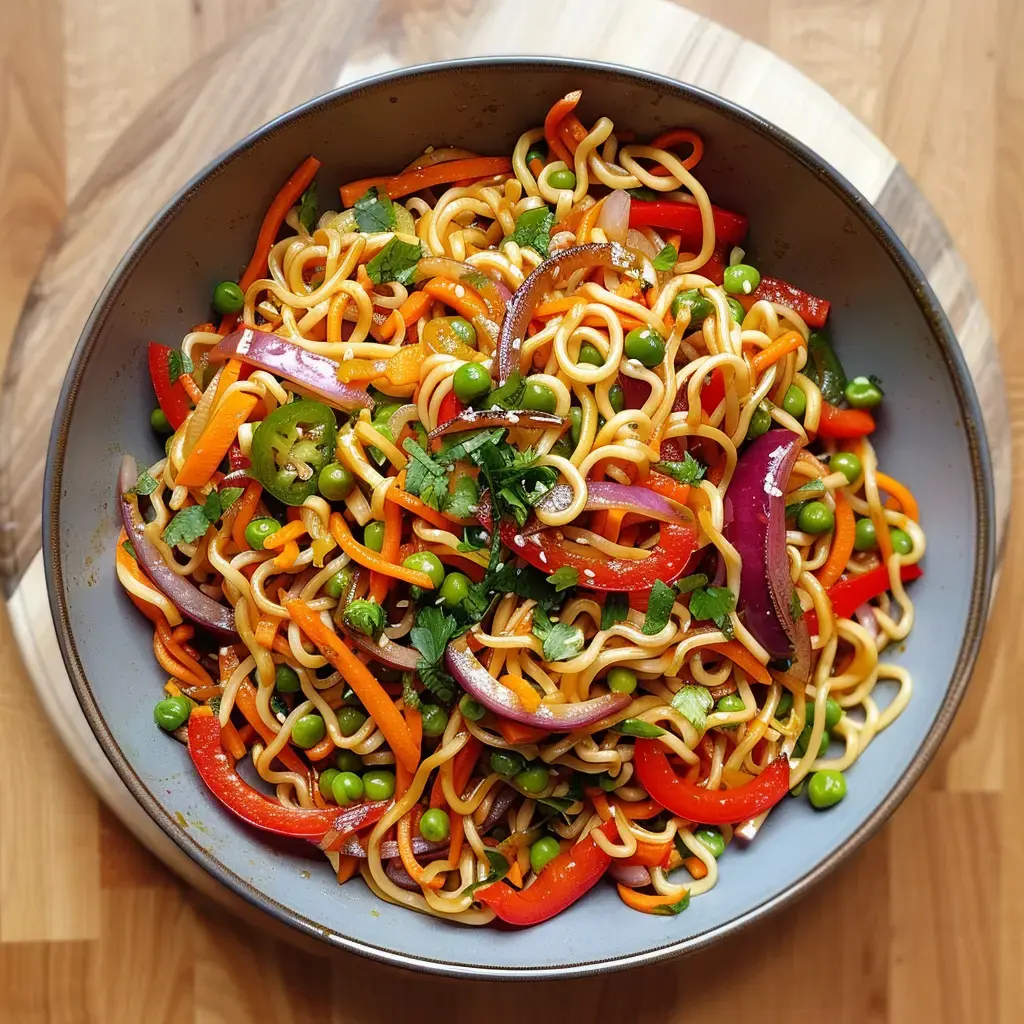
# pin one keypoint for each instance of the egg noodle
(517, 531)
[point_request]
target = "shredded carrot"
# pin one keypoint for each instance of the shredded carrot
(195, 670)
(215, 440)
(370, 559)
(536, 165)
(379, 583)
(203, 711)
(643, 902)
(462, 767)
(289, 532)
(403, 775)
(843, 536)
(637, 810)
(528, 696)
(288, 556)
(613, 523)
(456, 839)
(697, 868)
(266, 631)
(906, 501)
(419, 508)
(245, 701)
(321, 749)
(557, 307)
(427, 177)
(409, 861)
(587, 222)
(456, 294)
(244, 510)
(373, 696)
(346, 868)
(515, 875)
(560, 109)
(231, 741)
(363, 279)
(416, 305)
(739, 655)
(516, 733)
(674, 137)
(228, 376)
(771, 354)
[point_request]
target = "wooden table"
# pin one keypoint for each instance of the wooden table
(925, 923)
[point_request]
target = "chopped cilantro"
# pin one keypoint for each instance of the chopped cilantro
(560, 640)
(228, 497)
(616, 609)
(714, 603)
(499, 869)
(509, 395)
(430, 636)
(659, 608)
(397, 261)
(177, 364)
(533, 229)
(564, 578)
(689, 471)
(694, 703)
(145, 484)
(127, 545)
(187, 526)
(423, 476)
(688, 584)
(308, 208)
(666, 259)
(375, 212)
(671, 909)
(796, 609)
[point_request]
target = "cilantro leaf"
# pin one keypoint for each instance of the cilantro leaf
(689, 471)
(509, 395)
(308, 208)
(669, 910)
(423, 476)
(127, 545)
(430, 636)
(714, 603)
(410, 697)
(375, 212)
(469, 442)
(694, 703)
(688, 584)
(616, 609)
(145, 484)
(228, 497)
(499, 869)
(639, 728)
(564, 578)
(643, 193)
(397, 261)
(666, 259)
(460, 503)
(796, 609)
(659, 608)
(278, 705)
(560, 641)
(178, 363)
(187, 526)
(559, 805)
(533, 229)
(532, 585)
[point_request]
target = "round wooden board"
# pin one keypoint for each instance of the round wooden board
(214, 103)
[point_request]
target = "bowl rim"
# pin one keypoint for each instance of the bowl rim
(971, 418)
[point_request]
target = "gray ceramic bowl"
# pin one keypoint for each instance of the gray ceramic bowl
(807, 224)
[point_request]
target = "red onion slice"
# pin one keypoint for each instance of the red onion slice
(613, 219)
(482, 686)
(315, 373)
(353, 847)
(514, 419)
(218, 618)
(635, 876)
(503, 800)
(387, 651)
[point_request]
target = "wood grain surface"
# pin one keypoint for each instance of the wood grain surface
(925, 923)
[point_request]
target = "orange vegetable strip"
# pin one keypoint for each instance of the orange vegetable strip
(637, 810)
(468, 304)
(410, 311)
(843, 536)
(515, 875)
(463, 764)
(613, 523)
(427, 177)
(536, 165)
(168, 664)
(456, 839)
(321, 750)
(409, 861)
(560, 109)
(215, 440)
(290, 531)
(572, 132)
(403, 776)
(643, 902)
(245, 701)
(175, 651)
(288, 556)
(528, 696)
(290, 193)
(231, 741)
(673, 137)
(389, 550)
(907, 502)
(556, 307)
(191, 387)
(587, 222)
(373, 696)
(417, 507)
(203, 711)
(772, 353)
(516, 733)
(228, 376)
(346, 868)
(243, 514)
(266, 631)
(697, 868)
(739, 655)
(370, 559)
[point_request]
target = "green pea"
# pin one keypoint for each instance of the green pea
(427, 563)
(455, 589)
(795, 402)
(616, 398)
(172, 712)
(759, 423)
(846, 463)
(435, 825)
(228, 298)
(736, 309)
(347, 788)
(815, 517)
(575, 424)
(645, 345)
(507, 762)
(536, 153)
(543, 852)
(863, 393)
(435, 719)
(826, 789)
(327, 781)
(286, 679)
(379, 784)
(785, 705)
(335, 482)
(539, 397)
(621, 680)
(259, 530)
(700, 307)
(712, 839)
(350, 720)
(348, 761)
(471, 709)
(562, 179)
(471, 382)
(338, 584)
(373, 535)
(731, 702)
(533, 779)
(159, 422)
(590, 354)
(805, 737)
(901, 542)
(741, 279)
(464, 330)
(308, 731)
(865, 537)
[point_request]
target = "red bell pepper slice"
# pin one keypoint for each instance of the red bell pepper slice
(813, 310)
(236, 460)
(849, 593)
(172, 398)
(217, 769)
(449, 408)
(730, 228)
(559, 885)
(546, 551)
(707, 806)
(844, 424)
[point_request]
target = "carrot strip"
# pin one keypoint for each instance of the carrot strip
(266, 631)
(427, 177)
(843, 536)
(192, 389)
(456, 839)
(907, 502)
(536, 165)
(409, 861)
(613, 523)
(370, 559)
(557, 307)
(417, 305)
(739, 655)
(389, 550)
(459, 296)
(587, 222)
(215, 440)
(517, 733)
(245, 701)
(228, 376)
(231, 741)
(321, 750)
(673, 137)
(373, 696)
(515, 875)
(289, 532)
(288, 557)
(346, 868)
(528, 696)
(463, 764)
(772, 353)
(600, 802)
(243, 514)
(637, 810)
(560, 109)
(174, 650)
(697, 868)
(203, 711)
(403, 775)
(419, 508)
(642, 901)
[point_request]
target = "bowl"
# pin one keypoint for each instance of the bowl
(807, 224)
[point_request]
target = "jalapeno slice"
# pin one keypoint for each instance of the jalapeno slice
(824, 368)
(291, 446)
